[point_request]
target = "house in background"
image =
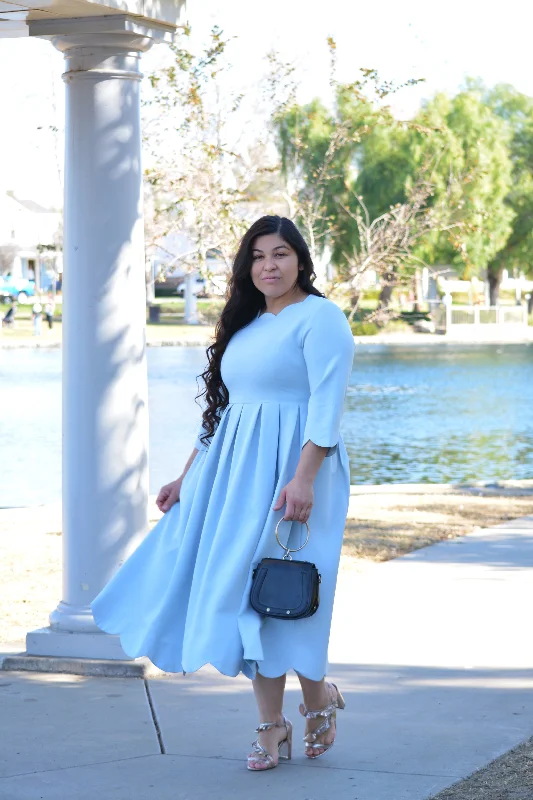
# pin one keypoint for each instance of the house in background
(30, 240)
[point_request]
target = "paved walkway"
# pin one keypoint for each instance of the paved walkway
(434, 654)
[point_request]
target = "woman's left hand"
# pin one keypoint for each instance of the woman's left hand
(299, 496)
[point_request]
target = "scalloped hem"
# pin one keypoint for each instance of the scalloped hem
(249, 668)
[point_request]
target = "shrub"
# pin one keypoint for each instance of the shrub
(399, 326)
(364, 328)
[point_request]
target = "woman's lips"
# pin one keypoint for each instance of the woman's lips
(270, 280)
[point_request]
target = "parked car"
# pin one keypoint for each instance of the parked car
(198, 287)
(19, 289)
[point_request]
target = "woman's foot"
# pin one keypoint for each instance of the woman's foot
(266, 750)
(321, 726)
(326, 738)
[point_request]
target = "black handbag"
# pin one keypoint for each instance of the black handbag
(284, 588)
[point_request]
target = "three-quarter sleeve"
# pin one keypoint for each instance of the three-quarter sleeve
(328, 348)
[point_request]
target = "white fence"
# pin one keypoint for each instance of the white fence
(464, 319)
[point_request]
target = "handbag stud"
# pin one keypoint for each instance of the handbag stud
(268, 609)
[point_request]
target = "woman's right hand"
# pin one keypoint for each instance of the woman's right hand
(169, 495)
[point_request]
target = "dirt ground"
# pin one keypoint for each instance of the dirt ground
(391, 520)
(509, 777)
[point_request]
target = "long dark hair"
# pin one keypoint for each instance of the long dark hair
(243, 303)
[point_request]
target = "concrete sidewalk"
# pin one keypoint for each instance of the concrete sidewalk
(434, 656)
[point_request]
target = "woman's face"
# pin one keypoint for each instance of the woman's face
(274, 265)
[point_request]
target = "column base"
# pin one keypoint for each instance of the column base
(90, 667)
(49, 642)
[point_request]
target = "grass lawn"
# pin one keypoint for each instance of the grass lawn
(22, 332)
(165, 331)
(170, 328)
(168, 331)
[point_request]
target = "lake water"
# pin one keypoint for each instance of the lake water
(422, 414)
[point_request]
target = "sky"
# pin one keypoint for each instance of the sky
(441, 42)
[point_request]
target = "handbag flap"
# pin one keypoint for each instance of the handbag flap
(283, 587)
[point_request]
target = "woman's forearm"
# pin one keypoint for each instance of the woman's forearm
(311, 459)
(189, 462)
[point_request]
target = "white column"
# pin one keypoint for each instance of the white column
(16, 269)
(425, 284)
(191, 305)
(105, 458)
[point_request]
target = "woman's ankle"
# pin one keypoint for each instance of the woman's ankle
(278, 719)
(316, 698)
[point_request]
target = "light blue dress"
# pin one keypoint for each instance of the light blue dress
(182, 598)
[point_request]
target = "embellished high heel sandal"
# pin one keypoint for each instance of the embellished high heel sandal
(329, 713)
(260, 758)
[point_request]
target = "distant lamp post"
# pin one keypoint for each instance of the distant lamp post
(518, 290)
(448, 302)
(191, 307)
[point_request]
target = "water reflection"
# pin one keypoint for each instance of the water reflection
(413, 415)
(440, 414)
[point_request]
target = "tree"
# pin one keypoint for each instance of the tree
(319, 150)
(516, 111)
(315, 159)
(197, 179)
(461, 145)
(376, 189)
(387, 244)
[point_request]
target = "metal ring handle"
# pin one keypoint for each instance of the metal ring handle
(288, 550)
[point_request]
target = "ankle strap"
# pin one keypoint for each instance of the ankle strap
(267, 726)
(326, 712)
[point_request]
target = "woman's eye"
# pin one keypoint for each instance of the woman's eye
(281, 255)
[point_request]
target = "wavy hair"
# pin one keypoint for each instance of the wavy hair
(243, 303)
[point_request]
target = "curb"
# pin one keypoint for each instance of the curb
(395, 340)
(525, 486)
(89, 667)
(57, 345)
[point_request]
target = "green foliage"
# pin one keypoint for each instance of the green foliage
(459, 146)
(516, 112)
(364, 328)
(315, 160)
(452, 186)
(319, 151)
(398, 326)
(370, 296)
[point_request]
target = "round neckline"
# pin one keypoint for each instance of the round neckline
(270, 314)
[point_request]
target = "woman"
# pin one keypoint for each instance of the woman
(275, 386)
